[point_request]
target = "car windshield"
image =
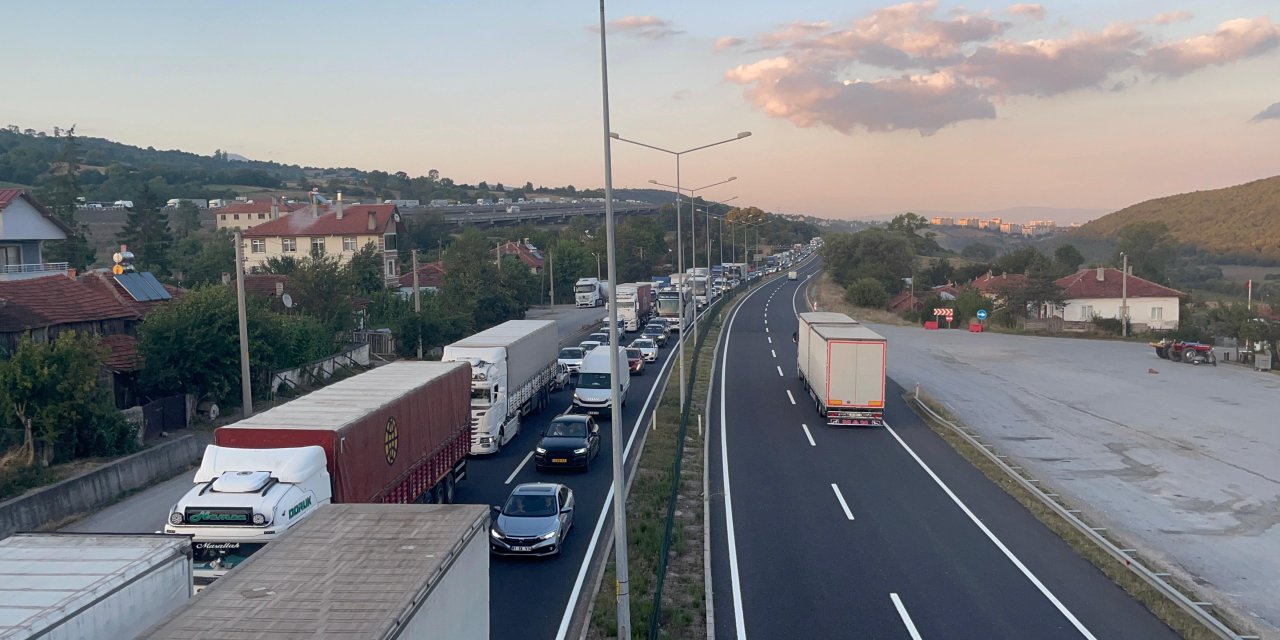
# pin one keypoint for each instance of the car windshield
(634, 353)
(530, 505)
(643, 344)
(589, 345)
(593, 381)
(567, 429)
(571, 353)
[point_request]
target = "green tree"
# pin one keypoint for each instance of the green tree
(322, 288)
(979, 251)
(282, 265)
(1149, 248)
(55, 393)
(61, 194)
(202, 257)
(866, 292)
(186, 219)
(365, 270)
(146, 232)
(1022, 260)
(968, 303)
(1069, 258)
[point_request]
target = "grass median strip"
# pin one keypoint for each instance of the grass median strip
(1155, 601)
(683, 595)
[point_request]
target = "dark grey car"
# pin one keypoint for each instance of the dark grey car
(533, 521)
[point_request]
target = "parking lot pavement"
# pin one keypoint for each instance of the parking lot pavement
(1179, 461)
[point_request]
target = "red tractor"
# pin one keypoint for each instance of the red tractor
(1188, 352)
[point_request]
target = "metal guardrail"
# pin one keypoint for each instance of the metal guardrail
(1196, 609)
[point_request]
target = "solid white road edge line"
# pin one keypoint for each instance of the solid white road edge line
(518, 468)
(1000, 545)
(808, 435)
(843, 505)
(605, 511)
(731, 537)
(906, 617)
(791, 397)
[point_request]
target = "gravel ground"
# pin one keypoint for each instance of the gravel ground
(1182, 463)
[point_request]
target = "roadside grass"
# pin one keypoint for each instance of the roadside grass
(1181, 622)
(830, 297)
(684, 595)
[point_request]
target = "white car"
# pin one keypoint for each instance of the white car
(571, 358)
(646, 346)
(587, 346)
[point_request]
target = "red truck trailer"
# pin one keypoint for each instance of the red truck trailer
(399, 433)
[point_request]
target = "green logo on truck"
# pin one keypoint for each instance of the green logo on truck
(206, 516)
(299, 508)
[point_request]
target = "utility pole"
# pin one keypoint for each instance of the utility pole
(1124, 295)
(417, 301)
(551, 271)
(246, 386)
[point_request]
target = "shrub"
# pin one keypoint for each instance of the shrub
(866, 292)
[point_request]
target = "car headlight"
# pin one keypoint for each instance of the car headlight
(549, 535)
(495, 533)
(540, 450)
(259, 519)
(580, 451)
(175, 517)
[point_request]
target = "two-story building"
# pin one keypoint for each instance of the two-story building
(239, 216)
(25, 225)
(334, 229)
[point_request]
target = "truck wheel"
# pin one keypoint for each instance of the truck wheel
(497, 447)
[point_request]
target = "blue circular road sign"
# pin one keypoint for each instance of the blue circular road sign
(982, 314)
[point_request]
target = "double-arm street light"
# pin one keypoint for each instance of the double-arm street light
(707, 207)
(679, 238)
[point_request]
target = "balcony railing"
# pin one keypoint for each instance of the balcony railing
(19, 271)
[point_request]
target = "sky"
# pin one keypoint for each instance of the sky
(856, 109)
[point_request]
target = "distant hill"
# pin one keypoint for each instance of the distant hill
(1239, 224)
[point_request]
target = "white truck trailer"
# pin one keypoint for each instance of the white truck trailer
(513, 371)
(842, 365)
(71, 586)
(635, 304)
(354, 571)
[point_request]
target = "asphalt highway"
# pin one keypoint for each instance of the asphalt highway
(884, 532)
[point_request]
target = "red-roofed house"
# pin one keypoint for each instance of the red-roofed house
(25, 225)
(991, 285)
(338, 230)
(430, 278)
(914, 300)
(245, 215)
(1099, 292)
(526, 252)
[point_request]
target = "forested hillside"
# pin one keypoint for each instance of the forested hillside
(1240, 224)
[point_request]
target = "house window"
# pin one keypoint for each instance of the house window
(389, 242)
(237, 216)
(1086, 312)
(391, 268)
(317, 246)
(1157, 313)
(223, 216)
(258, 245)
(290, 245)
(262, 216)
(10, 255)
(349, 243)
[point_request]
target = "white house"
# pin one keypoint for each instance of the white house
(1098, 292)
(25, 225)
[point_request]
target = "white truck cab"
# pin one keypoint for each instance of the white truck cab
(245, 498)
(586, 292)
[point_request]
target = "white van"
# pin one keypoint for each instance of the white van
(592, 393)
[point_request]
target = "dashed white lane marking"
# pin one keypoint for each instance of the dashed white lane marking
(793, 398)
(808, 435)
(521, 466)
(843, 505)
(779, 371)
(906, 617)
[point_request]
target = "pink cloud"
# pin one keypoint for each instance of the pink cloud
(726, 43)
(1172, 17)
(650, 27)
(1048, 67)
(1033, 11)
(1234, 40)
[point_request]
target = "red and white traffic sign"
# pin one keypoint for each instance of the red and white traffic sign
(945, 313)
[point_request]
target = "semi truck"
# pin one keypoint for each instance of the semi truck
(635, 304)
(399, 433)
(353, 571)
(588, 292)
(670, 303)
(513, 372)
(70, 586)
(842, 366)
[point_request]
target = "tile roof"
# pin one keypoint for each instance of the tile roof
(430, 274)
(355, 221)
(527, 253)
(988, 283)
(1085, 284)
(61, 299)
(122, 353)
(263, 284)
(7, 196)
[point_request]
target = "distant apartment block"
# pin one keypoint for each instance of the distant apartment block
(240, 216)
(967, 222)
(939, 221)
(1039, 228)
(1010, 227)
(333, 229)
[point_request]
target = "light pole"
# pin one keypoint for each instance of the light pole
(709, 217)
(615, 399)
(693, 240)
(679, 241)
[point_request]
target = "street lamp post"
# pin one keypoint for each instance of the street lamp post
(679, 240)
(693, 242)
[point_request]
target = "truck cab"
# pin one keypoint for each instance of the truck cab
(244, 499)
(587, 292)
(489, 398)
